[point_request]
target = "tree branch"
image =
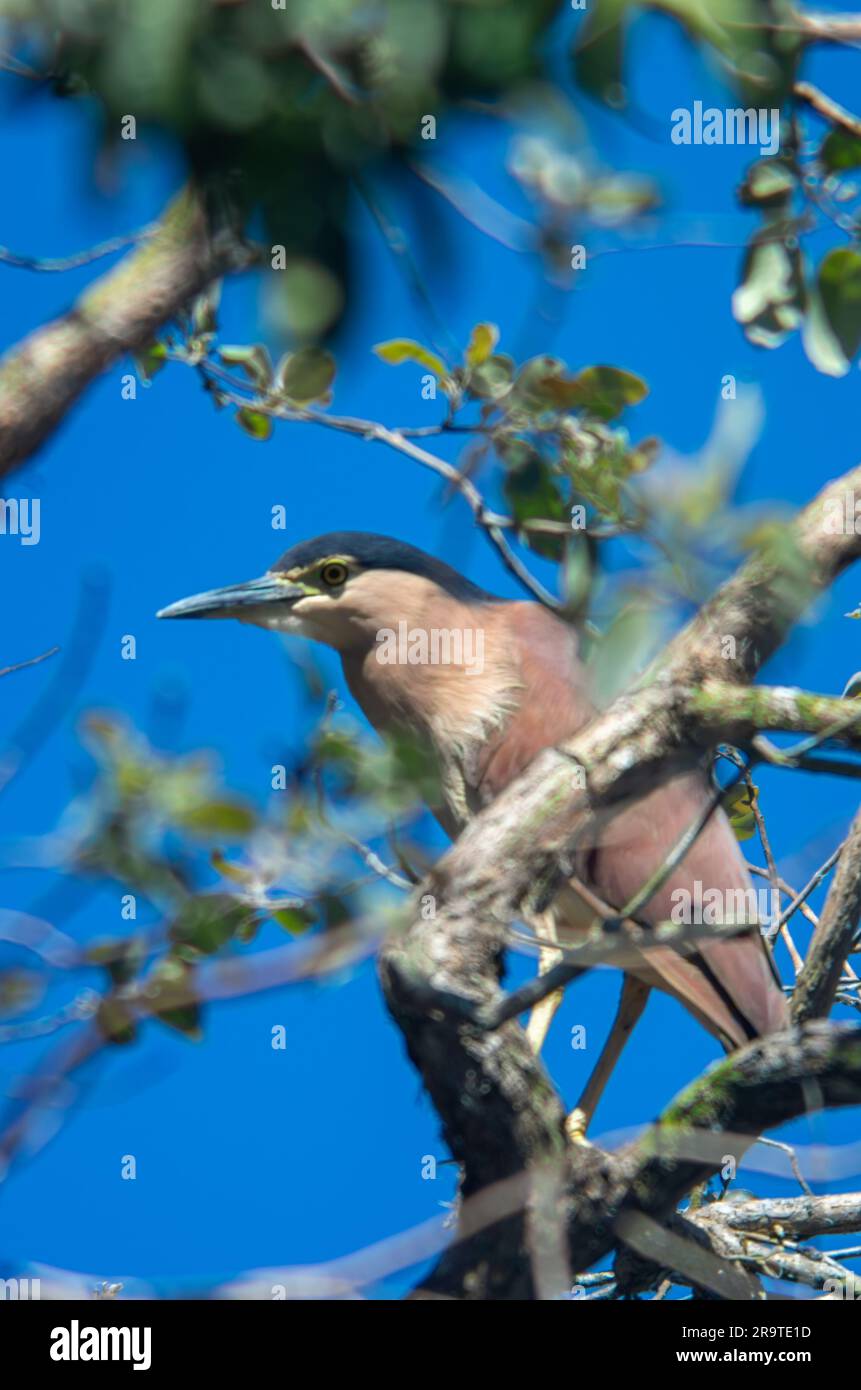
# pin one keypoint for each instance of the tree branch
(832, 941)
(43, 376)
(789, 1218)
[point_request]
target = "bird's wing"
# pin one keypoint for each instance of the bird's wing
(729, 985)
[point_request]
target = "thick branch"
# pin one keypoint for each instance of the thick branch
(789, 1218)
(43, 376)
(736, 714)
(611, 1199)
(817, 984)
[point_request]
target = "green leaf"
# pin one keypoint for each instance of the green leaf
(399, 350)
(254, 360)
(738, 803)
(771, 298)
(121, 957)
(171, 980)
(492, 379)
(294, 920)
(207, 922)
(840, 150)
(186, 1020)
(236, 872)
(218, 818)
(303, 300)
(532, 494)
(619, 198)
(150, 360)
(305, 375)
(115, 1020)
(335, 911)
(768, 182)
(255, 423)
(605, 391)
(482, 341)
(832, 330)
(542, 384)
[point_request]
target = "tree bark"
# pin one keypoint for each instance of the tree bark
(43, 376)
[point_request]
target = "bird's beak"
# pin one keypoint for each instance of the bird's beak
(237, 600)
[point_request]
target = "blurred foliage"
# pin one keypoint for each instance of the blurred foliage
(281, 108)
(215, 867)
(757, 48)
(744, 38)
(779, 292)
(139, 799)
(278, 106)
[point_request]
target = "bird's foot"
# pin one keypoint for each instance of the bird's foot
(575, 1127)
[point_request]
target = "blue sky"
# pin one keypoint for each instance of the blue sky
(246, 1156)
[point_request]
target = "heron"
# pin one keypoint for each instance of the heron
(488, 683)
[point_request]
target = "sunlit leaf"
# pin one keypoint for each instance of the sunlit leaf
(253, 359)
(618, 198)
(738, 803)
(150, 360)
(481, 344)
(255, 423)
(399, 350)
(606, 391)
(238, 873)
(294, 920)
(224, 817)
(771, 298)
(768, 182)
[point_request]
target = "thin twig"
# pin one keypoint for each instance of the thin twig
(30, 661)
(77, 259)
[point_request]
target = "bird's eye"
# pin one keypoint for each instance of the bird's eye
(333, 574)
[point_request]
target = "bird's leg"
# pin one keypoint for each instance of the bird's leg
(632, 1002)
(542, 1013)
